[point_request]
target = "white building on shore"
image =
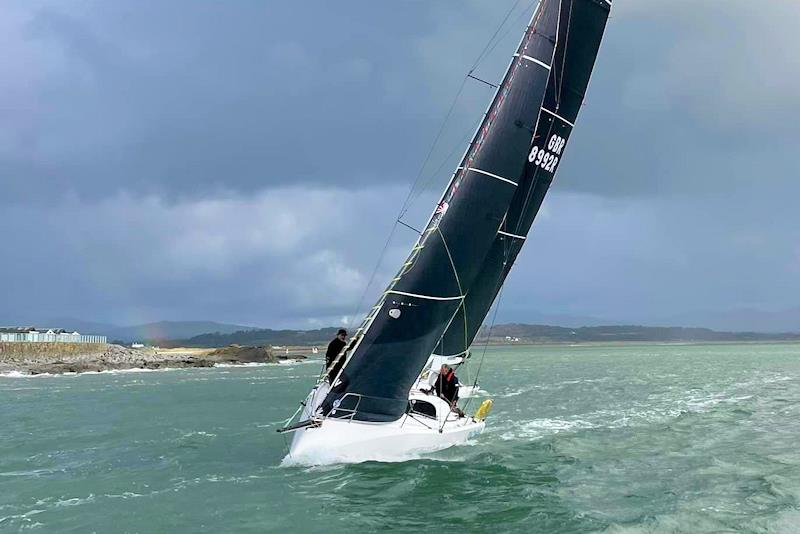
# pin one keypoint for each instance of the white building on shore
(49, 335)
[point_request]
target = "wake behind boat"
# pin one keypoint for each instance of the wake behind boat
(377, 407)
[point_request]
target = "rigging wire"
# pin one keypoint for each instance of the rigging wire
(456, 147)
(563, 60)
(414, 191)
(523, 14)
(485, 347)
(485, 52)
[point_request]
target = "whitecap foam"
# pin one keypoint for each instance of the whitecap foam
(15, 374)
(327, 460)
(123, 495)
(75, 501)
(131, 370)
(514, 393)
(539, 428)
(19, 374)
(24, 516)
(248, 364)
(199, 433)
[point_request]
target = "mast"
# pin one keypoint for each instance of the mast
(581, 27)
(410, 318)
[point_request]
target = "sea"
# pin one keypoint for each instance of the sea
(635, 438)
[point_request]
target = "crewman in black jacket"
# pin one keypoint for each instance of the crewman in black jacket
(447, 385)
(334, 348)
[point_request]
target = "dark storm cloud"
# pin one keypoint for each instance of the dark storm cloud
(184, 97)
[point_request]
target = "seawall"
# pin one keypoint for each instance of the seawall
(48, 351)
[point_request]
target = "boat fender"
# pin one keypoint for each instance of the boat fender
(483, 410)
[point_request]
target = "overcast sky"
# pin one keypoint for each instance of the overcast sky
(245, 161)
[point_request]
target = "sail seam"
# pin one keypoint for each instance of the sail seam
(556, 115)
(515, 236)
(427, 297)
(496, 177)
(533, 59)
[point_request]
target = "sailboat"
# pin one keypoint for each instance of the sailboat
(431, 311)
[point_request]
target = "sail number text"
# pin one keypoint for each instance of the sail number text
(548, 158)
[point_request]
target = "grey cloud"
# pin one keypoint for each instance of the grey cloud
(634, 259)
(277, 258)
(691, 98)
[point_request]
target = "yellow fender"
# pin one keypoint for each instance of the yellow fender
(483, 410)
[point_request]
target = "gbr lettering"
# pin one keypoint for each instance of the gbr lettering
(548, 158)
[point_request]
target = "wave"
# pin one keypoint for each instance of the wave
(268, 364)
(24, 517)
(19, 374)
(514, 393)
(15, 374)
(75, 501)
(314, 462)
(248, 364)
(539, 428)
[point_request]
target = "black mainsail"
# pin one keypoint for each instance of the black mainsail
(580, 32)
(485, 199)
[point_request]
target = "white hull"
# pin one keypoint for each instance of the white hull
(348, 441)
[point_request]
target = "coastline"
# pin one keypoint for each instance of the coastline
(60, 358)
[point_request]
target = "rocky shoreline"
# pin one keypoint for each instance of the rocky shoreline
(59, 358)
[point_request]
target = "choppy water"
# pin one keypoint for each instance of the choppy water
(640, 438)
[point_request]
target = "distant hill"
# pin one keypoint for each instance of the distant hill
(558, 334)
(158, 331)
(260, 337)
(526, 333)
(733, 320)
(749, 319)
(166, 330)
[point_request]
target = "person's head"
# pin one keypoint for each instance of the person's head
(444, 369)
(342, 334)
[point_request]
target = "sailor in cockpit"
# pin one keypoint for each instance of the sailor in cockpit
(446, 387)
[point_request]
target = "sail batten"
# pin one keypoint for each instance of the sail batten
(427, 298)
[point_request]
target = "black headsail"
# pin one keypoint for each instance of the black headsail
(408, 321)
(581, 28)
